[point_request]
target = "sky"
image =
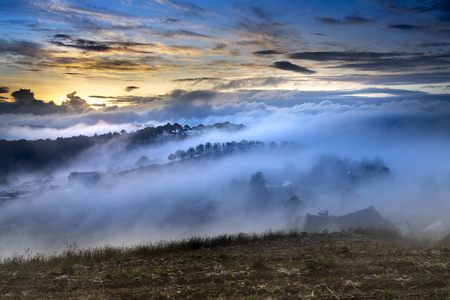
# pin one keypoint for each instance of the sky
(90, 55)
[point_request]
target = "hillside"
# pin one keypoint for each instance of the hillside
(45, 156)
(274, 265)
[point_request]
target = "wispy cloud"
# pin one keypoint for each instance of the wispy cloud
(354, 19)
(64, 40)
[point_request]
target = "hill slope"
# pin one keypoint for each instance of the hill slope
(272, 265)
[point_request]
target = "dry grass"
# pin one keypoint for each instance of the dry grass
(277, 265)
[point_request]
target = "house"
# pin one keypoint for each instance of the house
(364, 218)
(84, 178)
(434, 231)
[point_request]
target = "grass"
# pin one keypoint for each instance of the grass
(274, 264)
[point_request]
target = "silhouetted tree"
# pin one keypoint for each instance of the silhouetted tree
(257, 181)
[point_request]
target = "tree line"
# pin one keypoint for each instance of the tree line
(216, 149)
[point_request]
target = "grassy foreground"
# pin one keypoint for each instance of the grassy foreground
(364, 264)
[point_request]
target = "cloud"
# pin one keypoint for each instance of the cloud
(267, 52)
(249, 83)
(197, 79)
(435, 44)
(181, 33)
(170, 20)
(131, 88)
(380, 61)
(22, 48)
(23, 96)
(182, 96)
(64, 40)
(406, 27)
(261, 13)
(394, 78)
(218, 84)
(26, 103)
(287, 66)
(99, 64)
(357, 20)
(187, 7)
(440, 8)
(75, 102)
(343, 55)
(348, 20)
(4, 90)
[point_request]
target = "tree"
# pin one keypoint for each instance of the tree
(208, 147)
(191, 152)
(200, 149)
(142, 161)
(181, 154)
(294, 202)
(257, 181)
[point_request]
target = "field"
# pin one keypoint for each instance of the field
(363, 264)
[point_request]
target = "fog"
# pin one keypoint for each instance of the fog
(214, 194)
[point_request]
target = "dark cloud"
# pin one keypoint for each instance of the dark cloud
(131, 88)
(23, 96)
(21, 48)
(357, 20)
(287, 66)
(406, 27)
(196, 79)
(101, 97)
(86, 45)
(349, 20)
(267, 52)
(183, 96)
(170, 20)
(4, 90)
(436, 44)
(26, 103)
(64, 40)
(75, 102)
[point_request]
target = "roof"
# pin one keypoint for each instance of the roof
(312, 222)
(364, 218)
